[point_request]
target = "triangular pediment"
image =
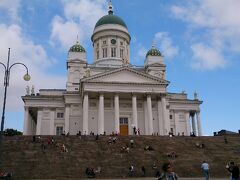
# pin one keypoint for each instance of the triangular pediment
(125, 75)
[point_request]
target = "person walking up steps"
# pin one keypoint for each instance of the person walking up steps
(205, 168)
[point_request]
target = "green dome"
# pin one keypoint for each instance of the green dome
(77, 48)
(153, 52)
(110, 19)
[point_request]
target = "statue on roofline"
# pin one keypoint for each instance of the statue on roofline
(27, 90)
(32, 90)
(195, 95)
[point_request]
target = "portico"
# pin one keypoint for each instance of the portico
(124, 112)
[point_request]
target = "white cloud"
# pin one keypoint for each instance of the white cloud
(11, 7)
(79, 19)
(220, 23)
(142, 51)
(168, 50)
(210, 13)
(65, 33)
(206, 58)
(33, 56)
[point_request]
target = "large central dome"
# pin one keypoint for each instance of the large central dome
(110, 19)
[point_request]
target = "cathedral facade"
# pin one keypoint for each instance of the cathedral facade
(111, 95)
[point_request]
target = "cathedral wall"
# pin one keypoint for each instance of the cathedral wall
(45, 124)
(109, 121)
(155, 122)
(75, 119)
(181, 123)
(74, 125)
(141, 123)
(93, 121)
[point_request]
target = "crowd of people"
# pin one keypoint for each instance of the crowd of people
(166, 172)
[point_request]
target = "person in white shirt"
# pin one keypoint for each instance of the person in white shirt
(205, 168)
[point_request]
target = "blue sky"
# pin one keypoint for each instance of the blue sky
(199, 39)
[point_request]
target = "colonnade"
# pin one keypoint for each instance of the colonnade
(196, 126)
(148, 128)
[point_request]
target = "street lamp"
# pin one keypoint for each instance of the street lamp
(26, 77)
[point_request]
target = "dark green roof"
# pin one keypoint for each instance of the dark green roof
(153, 52)
(110, 19)
(77, 48)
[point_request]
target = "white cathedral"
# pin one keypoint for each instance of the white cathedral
(112, 95)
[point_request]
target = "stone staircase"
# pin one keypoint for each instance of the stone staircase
(26, 160)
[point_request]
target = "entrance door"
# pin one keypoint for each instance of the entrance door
(123, 125)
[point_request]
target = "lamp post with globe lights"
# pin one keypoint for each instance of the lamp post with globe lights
(7, 69)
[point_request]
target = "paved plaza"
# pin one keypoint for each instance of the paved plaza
(152, 178)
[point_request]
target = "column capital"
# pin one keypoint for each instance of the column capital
(67, 105)
(163, 95)
(26, 108)
(100, 93)
(148, 94)
(84, 94)
(116, 94)
(52, 109)
(192, 113)
(134, 95)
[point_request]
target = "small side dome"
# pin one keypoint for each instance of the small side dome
(153, 52)
(77, 48)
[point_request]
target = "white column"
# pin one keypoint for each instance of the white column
(160, 118)
(175, 118)
(166, 123)
(52, 128)
(67, 113)
(116, 106)
(101, 115)
(193, 124)
(26, 121)
(108, 48)
(31, 125)
(100, 49)
(85, 114)
(188, 128)
(118, 49)
(150, 117)
(145, 117)
(199, 124)
(134, 110)
(39, 122)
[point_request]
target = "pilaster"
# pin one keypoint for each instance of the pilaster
(67, 114)
(39, 122)
(26, 121)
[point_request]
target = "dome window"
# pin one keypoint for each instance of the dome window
(121, 53)
(113, 52)
(97, 54)
(104, 52)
